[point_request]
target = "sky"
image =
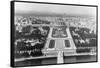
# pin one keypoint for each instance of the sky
(22, 7)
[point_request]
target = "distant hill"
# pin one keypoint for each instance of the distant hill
(51, 14)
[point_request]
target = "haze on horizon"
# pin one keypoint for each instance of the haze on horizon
(22, 7)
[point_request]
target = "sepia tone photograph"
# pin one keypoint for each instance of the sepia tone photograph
(51, 33)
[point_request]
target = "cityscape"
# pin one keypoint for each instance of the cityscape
(54, 39)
